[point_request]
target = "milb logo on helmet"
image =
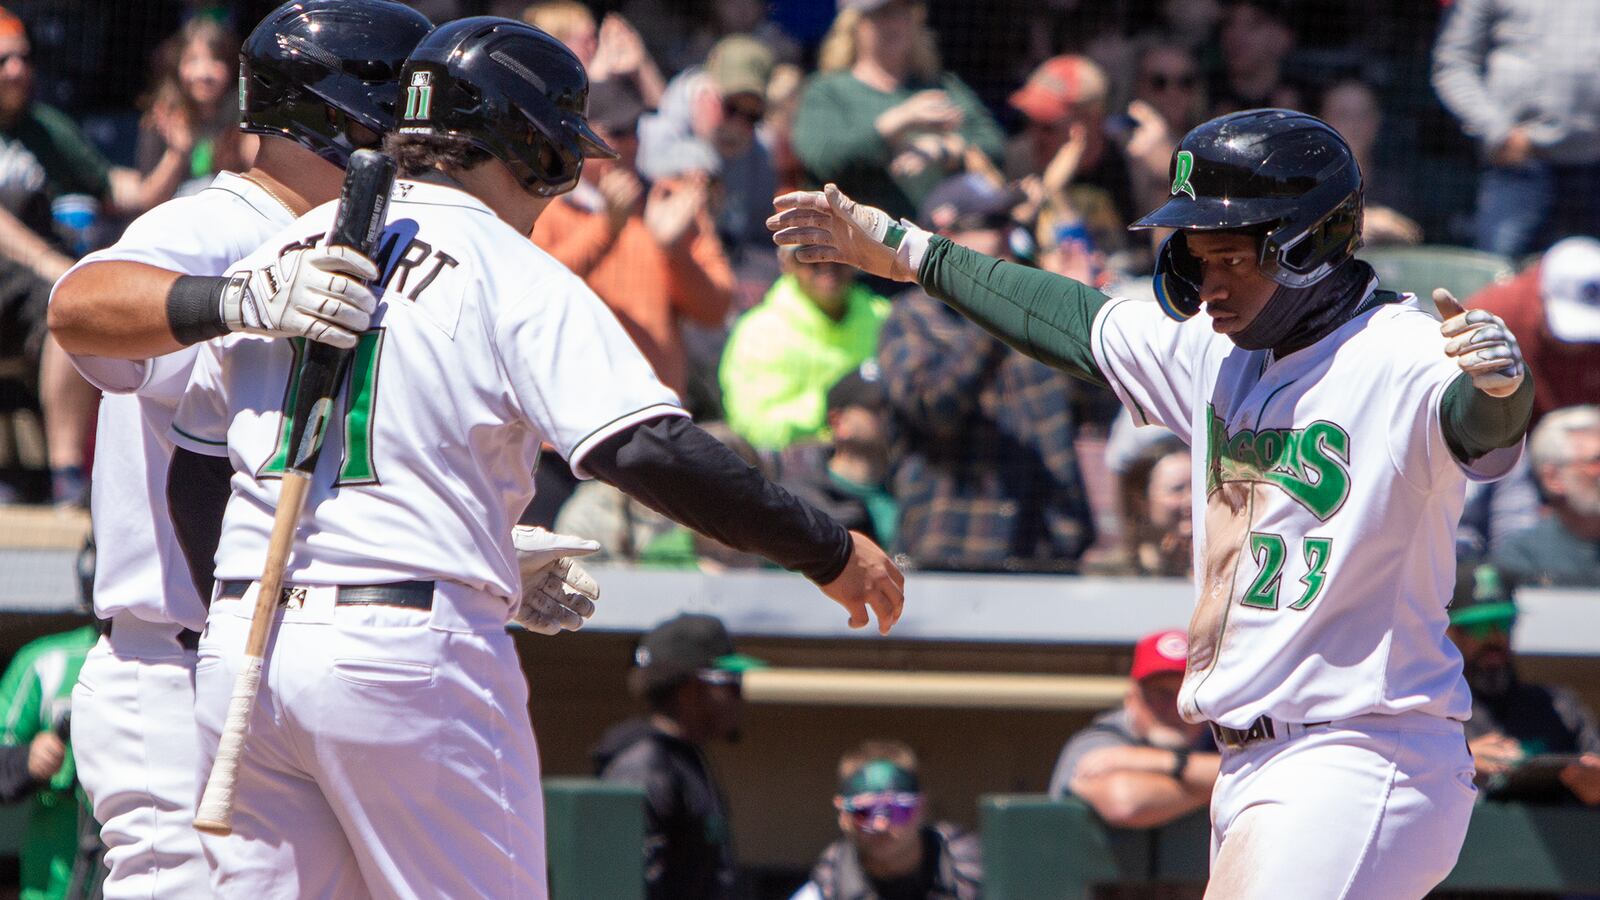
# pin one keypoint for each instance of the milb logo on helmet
(419, 96)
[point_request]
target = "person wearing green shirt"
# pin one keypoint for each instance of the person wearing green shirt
(815, 324)
(881, 118)
(35, 697)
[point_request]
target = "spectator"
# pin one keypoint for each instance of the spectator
(47, 157)
(708, 120)
(1067, 94)
(1142, 766)
(1520, 76)
(1513, 719)
(1554, 310)
(651, 253)
(1256, 38)
(1563, 550)
(687, 671)
(881, 119)
(985, 471)
(844, 476)
(1167, 77)
(1160, 523)
(191, 108)
(44, 161)
(35, 705)
(613, 51)
(1351, 107)
(815, 324)
(889, 849)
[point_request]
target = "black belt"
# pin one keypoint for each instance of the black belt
(1260, 730)
(409, 594)
(187, 639)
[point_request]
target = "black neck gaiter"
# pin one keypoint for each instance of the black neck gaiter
(1295, 318)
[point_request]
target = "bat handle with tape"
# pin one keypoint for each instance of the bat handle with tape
(359, 222)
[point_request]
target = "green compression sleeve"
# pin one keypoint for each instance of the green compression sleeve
(1044, 315)
(1475, 423)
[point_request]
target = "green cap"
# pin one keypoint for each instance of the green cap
(1482, 595)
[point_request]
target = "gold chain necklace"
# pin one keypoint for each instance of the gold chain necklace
(270, 193)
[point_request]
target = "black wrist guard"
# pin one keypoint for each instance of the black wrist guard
(194, 308)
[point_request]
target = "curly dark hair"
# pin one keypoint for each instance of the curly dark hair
(415, 154)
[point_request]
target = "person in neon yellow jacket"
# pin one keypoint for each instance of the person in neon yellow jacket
(815, 324)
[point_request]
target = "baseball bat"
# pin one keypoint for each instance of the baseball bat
(363, 203)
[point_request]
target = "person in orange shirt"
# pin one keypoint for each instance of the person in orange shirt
(649, 250)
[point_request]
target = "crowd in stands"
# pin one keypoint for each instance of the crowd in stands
(962, 453)
(882, 406)
(975, 458)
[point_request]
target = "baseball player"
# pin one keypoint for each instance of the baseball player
(132, 316)
(1335, 426)
(390, 751)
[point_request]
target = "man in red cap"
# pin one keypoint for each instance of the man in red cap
(1064, 102)
(1142, 766)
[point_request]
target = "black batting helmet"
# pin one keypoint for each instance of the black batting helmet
(1286, 174)
(312, 68)
(509, 89)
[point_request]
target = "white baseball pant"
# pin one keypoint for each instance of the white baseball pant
(390, 753)
(1373, 806)
(134, 739)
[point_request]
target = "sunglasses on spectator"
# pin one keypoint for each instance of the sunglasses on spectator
(896, 809)
(1160, 81)
(750, 114)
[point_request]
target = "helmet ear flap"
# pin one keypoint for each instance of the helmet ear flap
(1177, 278)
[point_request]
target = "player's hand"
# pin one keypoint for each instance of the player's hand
(827, 226)
(45, 754)
(557, 593)
(1482, 345)
(318, 293)
(1583, 778)
(870, 580)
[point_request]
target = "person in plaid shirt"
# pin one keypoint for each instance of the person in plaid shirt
(985, 473)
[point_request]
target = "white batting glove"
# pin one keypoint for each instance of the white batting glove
(557, 594)
(316, 293)
(827, 226)
(1482, 345)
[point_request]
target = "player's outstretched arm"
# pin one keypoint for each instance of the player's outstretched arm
(1044, 315)
(678, 470)
(1491, 404)
(126, 310)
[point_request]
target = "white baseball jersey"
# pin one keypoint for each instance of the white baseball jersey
(1326, 501)
(139, 567)
(482, 347)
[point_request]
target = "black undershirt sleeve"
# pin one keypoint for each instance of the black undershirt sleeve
(1475, 423)
(672, 466)
(197, 495)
